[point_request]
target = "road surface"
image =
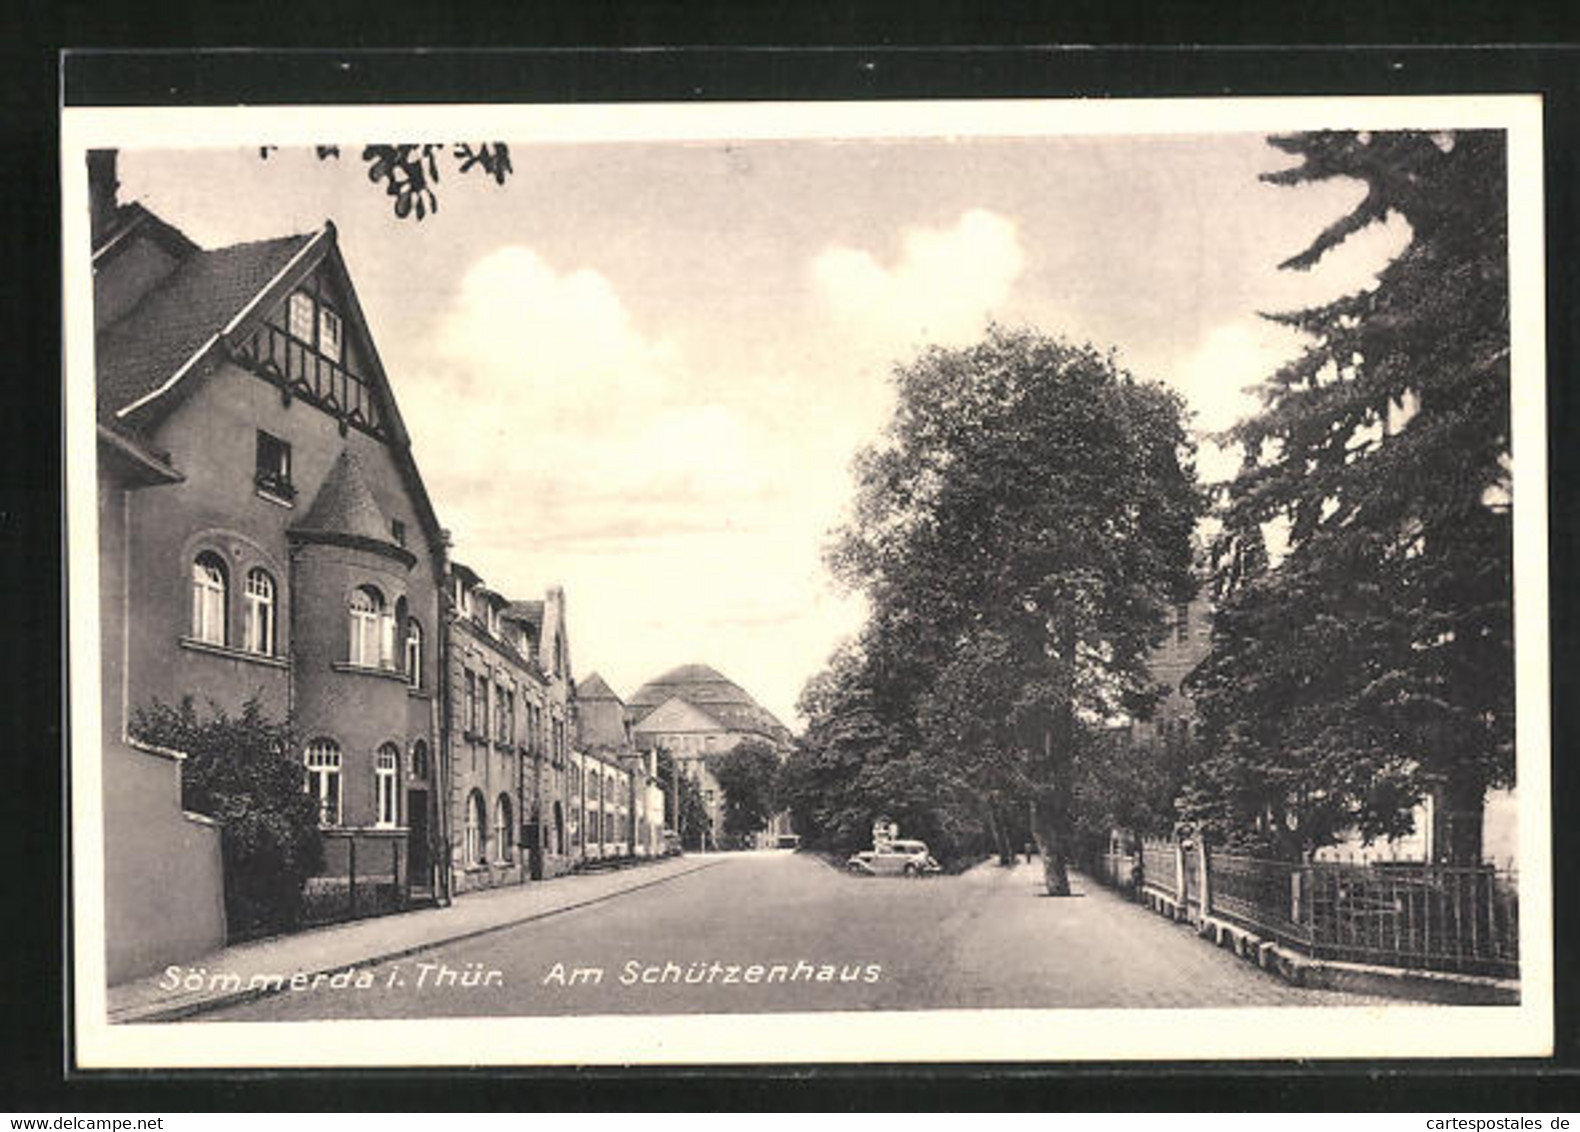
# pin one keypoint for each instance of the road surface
(774, 931)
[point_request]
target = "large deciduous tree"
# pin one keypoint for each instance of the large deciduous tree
(1373, 664)
(1020, 531)
(748, 774)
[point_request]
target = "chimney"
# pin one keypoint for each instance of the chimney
(102, 187)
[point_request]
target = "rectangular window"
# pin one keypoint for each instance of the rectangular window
(272, 471)
(323, 780)
(329, 334)
(387, 642)
(471, 700)
(385, 782)
(258, 620)
(482, 706)
(301, 317)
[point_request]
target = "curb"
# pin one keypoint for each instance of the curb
(1438, 987)
(183, 1010)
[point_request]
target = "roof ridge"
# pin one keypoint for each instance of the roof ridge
(241, 244)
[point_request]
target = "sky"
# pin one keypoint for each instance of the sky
(640, 370)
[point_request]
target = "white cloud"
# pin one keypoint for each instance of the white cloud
(1217, 376)
(945, 285)
(563, 344)
(562, 444)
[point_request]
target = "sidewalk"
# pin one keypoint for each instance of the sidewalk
(363, 943)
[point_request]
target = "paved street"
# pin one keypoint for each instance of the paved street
(823, 940)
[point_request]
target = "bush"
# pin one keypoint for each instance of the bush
(242, 771)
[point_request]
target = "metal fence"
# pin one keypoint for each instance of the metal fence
(1437, 917)
(1414, 915)
(371, 886)
(1260, 895)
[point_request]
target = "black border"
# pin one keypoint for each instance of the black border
(29, 508)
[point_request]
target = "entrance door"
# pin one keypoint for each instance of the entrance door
(419, 868)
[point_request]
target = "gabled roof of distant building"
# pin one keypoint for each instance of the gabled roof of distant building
(595, 687)
(600, 716)
(711, 692)
(142, 350)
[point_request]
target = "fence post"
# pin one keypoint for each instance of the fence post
(1182, 898)
(351, 870)
(1294, 899)
(1206, 876)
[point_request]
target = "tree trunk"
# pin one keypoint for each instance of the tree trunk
(1049, 826)
(1006, 851)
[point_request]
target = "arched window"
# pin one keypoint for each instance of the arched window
(419, 759)
(502, 831)
(323, 778)
(209, 585)
(372, 630)
(413, 652)
(258, 615)
(386, 780)
(475, 820)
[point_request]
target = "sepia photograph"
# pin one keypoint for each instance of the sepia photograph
(843, 582)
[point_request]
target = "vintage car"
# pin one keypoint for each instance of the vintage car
(894, 858)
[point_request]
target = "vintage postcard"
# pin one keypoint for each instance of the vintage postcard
(807, 582)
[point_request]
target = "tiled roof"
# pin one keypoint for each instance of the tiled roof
(711, 692)
(594, 687)
(601, 723)
(530, 612)
(145, 347)
(344, 505)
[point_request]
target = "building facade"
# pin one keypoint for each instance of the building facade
(509, 698)
(1172, 728)
(695, 713)
(1172, 725)
(272, 537)
(163, 873)
(604, 730)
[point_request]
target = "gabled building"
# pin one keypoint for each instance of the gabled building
(604, 732)
(264, 528)
(694, 712)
